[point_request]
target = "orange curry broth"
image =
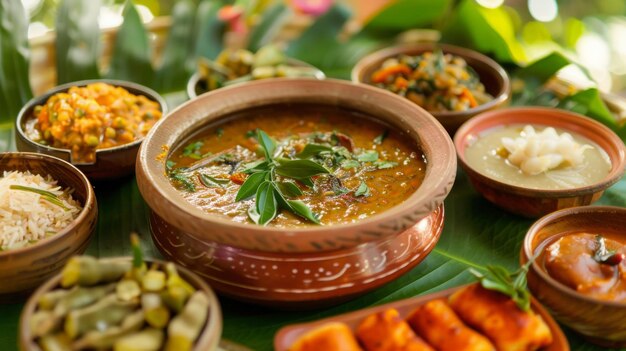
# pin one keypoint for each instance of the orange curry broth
(388, 187)
(96, 116)
(570, 260)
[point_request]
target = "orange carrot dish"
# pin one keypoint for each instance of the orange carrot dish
(96, 116)
(435, 81)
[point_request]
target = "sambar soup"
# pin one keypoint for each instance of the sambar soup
(297, 165)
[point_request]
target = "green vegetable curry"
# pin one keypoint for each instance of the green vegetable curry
(297, 165)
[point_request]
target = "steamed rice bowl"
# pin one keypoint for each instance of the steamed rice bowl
(32, 208)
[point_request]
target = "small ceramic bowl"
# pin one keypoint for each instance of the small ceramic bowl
(110, 163)
(491, 74)
(600, 321)
(316, 264)
(207, 340)
(24, 269)
(197, 86)
(537, 202)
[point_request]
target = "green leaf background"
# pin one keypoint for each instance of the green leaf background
(476, 233)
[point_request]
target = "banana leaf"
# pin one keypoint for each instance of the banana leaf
(132, 52)
(271, 22)
(209, 29)
(486, 30)
(544, 68)
(178, 64)
(402, 15)
(77, 40)
(14, 54)
(320, 39)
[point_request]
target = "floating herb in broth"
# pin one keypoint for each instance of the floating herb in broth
(297, 165)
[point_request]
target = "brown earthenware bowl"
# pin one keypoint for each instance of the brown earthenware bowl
(110, 163)
(24, 269)
(602, 322)
(197, 86)
(537, 202)
(273, 265)
(491, 74)
(207, 340)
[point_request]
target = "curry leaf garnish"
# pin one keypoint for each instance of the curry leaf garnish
(270, 194)
(347, 164)
(362, 190)
(368, 156)
(266, 203)
(510, 284)
(379, 139)
(169, 164)
(385, 164)
(251, 185)
(299, 168)
(219, 132)
(209, 181)
(255, 166)
(289, 189)
(193, 150)
(267, 143)
(178, 176)
(45, 195)
(301, 209)
(311, 150)
(251, 133)
(306, 181)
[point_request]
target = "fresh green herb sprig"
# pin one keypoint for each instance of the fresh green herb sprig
(510, 284)
(178, 176)
(605, 256)
(269, 193)
(193, 150)
(45, 195)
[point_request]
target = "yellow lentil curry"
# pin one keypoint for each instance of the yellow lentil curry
(96, 116)
(297, 165)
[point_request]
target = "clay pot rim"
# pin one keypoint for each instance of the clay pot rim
(528, 249)
(88, 206)
(518, 115)
(211, 332)
(136, 89)
(438, 174)
(376, 58)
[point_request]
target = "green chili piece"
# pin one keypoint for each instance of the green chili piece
(105, 339)
(87, 270)
(105, 313)
(146, 340)
(186, 326)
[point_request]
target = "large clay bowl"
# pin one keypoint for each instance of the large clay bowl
(602, 322)
(176, 221)
(537, 202)
(287, 280)
(207, 340)
(492, 75)
(110, 163)
(24, 269)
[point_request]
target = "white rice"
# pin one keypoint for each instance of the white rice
(26, 217)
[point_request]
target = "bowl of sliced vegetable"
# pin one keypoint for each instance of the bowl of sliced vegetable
(240, 66)
(452, 83)
(122, 303)
(284, 191)
(97, 125)
(48, 213)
